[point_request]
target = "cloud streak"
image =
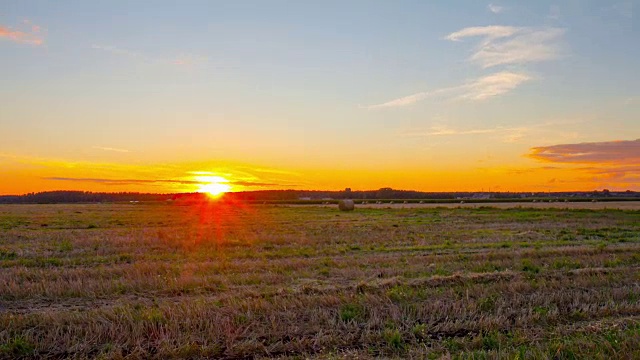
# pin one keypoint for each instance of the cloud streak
(609, 163)
(111, 149)
(409, 99)
(157, 181)
(479, 89)
(446, 131)
(123, 181)
(622, 173)
(33, 36)
(493, 85)
(498, 45)
(489, 32)
(609, 152)
(508, 134)
(506, 45)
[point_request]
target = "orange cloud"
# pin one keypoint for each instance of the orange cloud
(611, 163)
(33, 37)
(608, 152)
(617, 174)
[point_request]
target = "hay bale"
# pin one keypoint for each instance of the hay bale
(346, 205)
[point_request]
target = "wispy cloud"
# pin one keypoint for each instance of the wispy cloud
(440, 130)
(123, 181)
(496, 9)
(620, 172)
(32, 34)
(508, 134)
(110, 149)
(493, 85)
(257, 184)
(274, 171)
(173, 177)
(489, 32)
(410, 99)
(610, 152)
(609, 176)
(521, 171)
(158, 181)
(503, 45)
(499, 45)
(479, 89)
(604, 175)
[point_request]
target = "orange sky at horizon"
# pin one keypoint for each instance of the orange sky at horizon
(540, 170)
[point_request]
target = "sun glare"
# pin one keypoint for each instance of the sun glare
(213, 185)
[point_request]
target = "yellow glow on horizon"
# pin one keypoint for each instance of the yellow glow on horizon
(213, 185)
(23, 174)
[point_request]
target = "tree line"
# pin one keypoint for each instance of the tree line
(53, 197)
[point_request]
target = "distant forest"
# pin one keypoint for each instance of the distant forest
(54, 197)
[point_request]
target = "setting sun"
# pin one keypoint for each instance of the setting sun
(213, 185)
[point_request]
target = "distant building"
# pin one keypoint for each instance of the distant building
(481, 196)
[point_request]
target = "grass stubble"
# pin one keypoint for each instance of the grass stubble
(213, 280)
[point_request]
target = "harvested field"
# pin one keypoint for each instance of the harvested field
(212, 280)
(624, 205)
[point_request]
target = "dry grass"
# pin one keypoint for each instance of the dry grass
(215, 281)
(542, 204)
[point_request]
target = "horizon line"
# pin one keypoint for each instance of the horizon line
(324, 190)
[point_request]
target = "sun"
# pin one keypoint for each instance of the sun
(213, 185)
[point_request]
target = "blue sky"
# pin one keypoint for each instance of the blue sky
(299, 84)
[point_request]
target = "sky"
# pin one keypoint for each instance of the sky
(175, 96)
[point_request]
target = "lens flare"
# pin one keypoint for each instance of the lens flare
(213, 185)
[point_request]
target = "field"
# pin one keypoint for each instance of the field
(234, 281)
